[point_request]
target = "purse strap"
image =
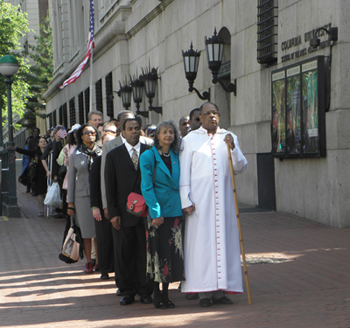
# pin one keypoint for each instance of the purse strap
(72, 221)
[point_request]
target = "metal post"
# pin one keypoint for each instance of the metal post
(2, 161)
(13, 209)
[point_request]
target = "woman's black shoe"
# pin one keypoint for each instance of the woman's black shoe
(158, 302)
(159, 305)
(169, 304)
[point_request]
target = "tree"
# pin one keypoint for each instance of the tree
(13, 26)
(40, 74)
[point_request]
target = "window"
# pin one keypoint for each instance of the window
(72, 112)
(60, 115)
(57, 34)
(76, 35)
(64, 116)
(54, 119)
(87, 103)
(51, 120)
(109, 95)
(81, 108)
(267, 32)
(98, 89)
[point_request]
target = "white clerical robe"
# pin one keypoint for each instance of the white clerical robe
(212, 248)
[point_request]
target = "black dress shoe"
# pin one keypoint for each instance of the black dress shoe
(191, 297)
(205, 302)
(145, 299)
(119, 293)
(223, 300)
(104, 275)
(127, 300)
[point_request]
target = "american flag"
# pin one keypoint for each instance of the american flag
(62, 133)
(76, 74)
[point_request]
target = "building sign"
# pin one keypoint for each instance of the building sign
(297, 41)
(298, 110)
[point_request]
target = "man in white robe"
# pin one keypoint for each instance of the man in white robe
(212, 249)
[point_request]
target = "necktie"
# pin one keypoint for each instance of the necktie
(135, 158)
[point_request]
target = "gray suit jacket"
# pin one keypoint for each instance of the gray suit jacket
(78, 176)
(108, 146)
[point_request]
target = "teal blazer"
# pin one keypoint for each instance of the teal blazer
(162, 197)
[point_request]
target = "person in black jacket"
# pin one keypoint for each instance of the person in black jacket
(122, 176)
(33, 143)
(54, 148)
(104, 237)
(39, 184)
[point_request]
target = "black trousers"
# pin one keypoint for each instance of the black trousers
(104, 240)
(130, 255)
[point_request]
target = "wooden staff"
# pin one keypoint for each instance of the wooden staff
(239, 224)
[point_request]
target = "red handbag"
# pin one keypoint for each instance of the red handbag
(136, 205)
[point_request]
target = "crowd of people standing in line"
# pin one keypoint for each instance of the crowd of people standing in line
(183, 175)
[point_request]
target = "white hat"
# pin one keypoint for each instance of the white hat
(74, 127)
(151, 128)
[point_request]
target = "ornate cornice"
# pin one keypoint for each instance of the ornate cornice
(148, 18)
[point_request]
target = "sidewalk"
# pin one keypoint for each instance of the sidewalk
(299, 273)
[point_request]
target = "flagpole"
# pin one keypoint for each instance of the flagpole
(91, 76)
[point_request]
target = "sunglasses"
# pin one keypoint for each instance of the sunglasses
(86, 133)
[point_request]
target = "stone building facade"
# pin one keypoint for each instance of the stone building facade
(133, 34)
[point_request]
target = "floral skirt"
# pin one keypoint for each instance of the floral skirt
(165, 251)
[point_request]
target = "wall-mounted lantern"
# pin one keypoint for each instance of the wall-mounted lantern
(137, 91)
(191, 61)
(150, 78)
(125, 93)
(215, 49)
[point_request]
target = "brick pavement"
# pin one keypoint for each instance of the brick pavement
(299, 274)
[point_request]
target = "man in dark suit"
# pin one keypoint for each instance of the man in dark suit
(122, 176)
(111, 144)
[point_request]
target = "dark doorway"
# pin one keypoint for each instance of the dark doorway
(266, 181)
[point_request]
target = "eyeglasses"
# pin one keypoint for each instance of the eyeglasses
(86, 133)
(110, 131)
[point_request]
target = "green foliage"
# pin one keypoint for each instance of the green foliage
(13, 26)
(40, 73)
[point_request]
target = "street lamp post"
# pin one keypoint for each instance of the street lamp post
(9, 67)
